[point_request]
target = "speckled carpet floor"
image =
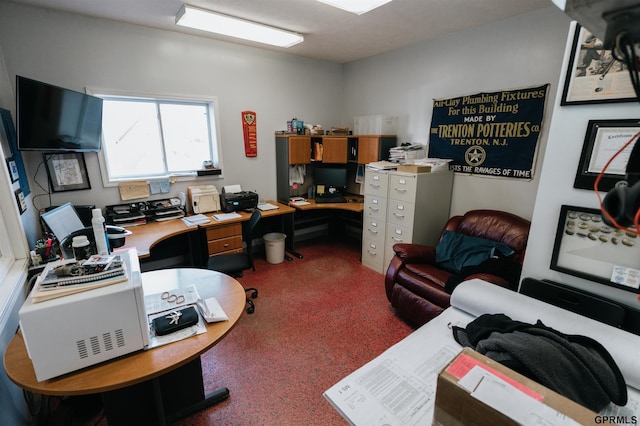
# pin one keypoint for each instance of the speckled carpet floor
(316, 320)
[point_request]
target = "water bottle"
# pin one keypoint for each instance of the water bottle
(100, 232)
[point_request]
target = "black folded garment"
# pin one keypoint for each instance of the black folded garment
(175, 320)
(574, 366)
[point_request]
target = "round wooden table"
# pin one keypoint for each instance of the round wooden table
(175, 361)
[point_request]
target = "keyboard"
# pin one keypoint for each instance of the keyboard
(333, 199)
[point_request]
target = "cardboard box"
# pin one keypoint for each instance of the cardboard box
(455, 405)
(414, 168)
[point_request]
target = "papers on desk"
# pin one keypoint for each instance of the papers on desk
(300, 202)
(382, 165)
(195, 220)
(399, 386)
(266, 206)
(226, 216)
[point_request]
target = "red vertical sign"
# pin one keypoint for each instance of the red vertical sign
(249, 133)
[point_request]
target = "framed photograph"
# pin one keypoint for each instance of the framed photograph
(67, 171)
(13, 169)
(603, 139)
(588, 248)
(22, 203)
(594, 76)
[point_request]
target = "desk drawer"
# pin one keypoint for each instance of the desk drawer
(223, 231)
(222, 245)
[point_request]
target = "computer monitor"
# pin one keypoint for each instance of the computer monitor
(331, 177)
(62, 221)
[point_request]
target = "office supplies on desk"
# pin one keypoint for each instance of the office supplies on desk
(195, 220)
(211, 310)
(226, 216)
(266, 206)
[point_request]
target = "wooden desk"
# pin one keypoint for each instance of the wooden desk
(143, 238)
(357, 207)
(343, 215)
(129, 384)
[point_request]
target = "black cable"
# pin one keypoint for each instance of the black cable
(624, 51)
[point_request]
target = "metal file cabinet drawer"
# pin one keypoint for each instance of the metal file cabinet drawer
(403, 187)
(401, 213)
(375, 207)
(373, 229)
(376, 182)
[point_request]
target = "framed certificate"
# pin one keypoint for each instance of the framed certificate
(604, 138)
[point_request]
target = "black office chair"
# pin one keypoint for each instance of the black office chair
(233, 264)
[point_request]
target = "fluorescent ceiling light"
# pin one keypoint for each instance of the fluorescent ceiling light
(356, 6)
(201, 19)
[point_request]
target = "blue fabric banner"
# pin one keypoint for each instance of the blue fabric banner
(492, 134)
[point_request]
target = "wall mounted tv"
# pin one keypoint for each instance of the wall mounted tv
(51, 118)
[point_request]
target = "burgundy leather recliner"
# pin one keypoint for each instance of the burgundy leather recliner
(415, 284)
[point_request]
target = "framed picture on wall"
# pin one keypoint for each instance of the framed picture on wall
(13, 169)
(594, 75)
(588, 248)
(67, 171)
(603, 139)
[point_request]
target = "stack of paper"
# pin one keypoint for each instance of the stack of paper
(195, 220)
(226, 216)
(266, 206)
(382, 165)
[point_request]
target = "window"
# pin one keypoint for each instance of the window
(156, 137)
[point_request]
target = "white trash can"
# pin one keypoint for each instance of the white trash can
(274, 247)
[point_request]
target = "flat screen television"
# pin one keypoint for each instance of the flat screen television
(51, 118)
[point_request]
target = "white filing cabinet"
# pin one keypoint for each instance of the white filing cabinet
(402, 208)
(374, 218)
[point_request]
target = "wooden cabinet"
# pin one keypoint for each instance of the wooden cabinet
(224, 239)
(402, 208)
(334, 150)
(299, 149)
(294, 150)
(374, 148)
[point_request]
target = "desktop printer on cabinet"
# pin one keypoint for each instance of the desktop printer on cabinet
(234, 199)
(75, 331)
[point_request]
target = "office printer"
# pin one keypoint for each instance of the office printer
(204, 198)
(233, 199)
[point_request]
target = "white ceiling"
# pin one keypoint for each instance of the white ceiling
(330, 34)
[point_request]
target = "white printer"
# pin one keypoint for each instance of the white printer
(82, 329)
(204, 198)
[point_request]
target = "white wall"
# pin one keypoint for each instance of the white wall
(566, 137)
(522, 51)
(76, 52)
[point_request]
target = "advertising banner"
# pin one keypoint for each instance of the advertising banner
(249, 133)
(491, 134)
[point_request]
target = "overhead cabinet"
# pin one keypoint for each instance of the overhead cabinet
(298, 150)
(335, 149)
